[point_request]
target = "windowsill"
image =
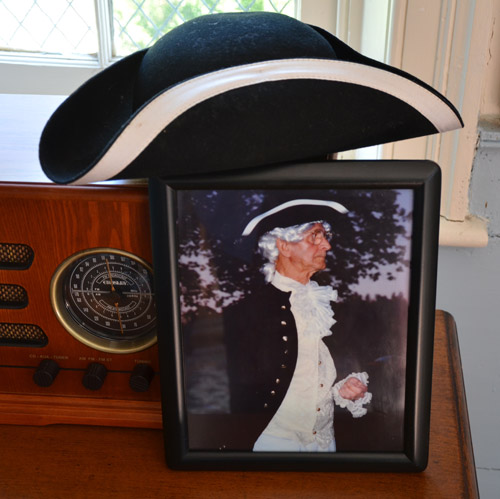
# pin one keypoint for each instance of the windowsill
(471, 233)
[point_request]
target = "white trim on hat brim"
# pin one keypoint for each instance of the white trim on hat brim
(289, 204)
(154, 117)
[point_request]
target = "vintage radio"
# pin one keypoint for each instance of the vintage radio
(77, 309)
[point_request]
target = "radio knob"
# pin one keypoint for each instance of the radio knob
(94, 376)
(46, 372)
(141, 377)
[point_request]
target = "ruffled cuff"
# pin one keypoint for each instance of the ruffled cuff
(355, 407)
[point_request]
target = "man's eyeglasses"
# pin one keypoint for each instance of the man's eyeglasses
(317, 236)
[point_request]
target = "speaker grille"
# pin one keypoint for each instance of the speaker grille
(22, 335)
(15, 256)
(13, 296)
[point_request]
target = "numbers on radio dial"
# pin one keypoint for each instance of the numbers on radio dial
(105, 299)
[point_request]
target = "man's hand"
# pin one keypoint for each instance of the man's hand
(353, 389)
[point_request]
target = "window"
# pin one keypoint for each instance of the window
(443, 42)
(52, 46)
(41, 30)
(105, 29)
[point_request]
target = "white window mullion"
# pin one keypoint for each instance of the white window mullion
(343, 21)
(104, 21)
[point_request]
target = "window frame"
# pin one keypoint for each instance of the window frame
(460, 38)
(457, 32)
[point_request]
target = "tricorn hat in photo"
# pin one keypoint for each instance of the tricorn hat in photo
(237, 90)
(294, 212)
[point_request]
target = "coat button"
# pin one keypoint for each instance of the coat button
(265, 406)
(283, 366)
(283, 323)
(273, 392)
(277, 381)
(283, 307)
(285, 338)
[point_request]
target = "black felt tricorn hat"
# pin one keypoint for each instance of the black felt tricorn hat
(294, 212)
(236, 90)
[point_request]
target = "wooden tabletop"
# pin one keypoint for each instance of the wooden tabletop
(83, 461)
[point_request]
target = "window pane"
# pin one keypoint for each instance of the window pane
(66, 27)
(138, 23)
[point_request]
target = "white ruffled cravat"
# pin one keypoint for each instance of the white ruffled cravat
(313, 304)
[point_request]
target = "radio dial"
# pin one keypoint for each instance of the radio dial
(141, 377)
(94, 376)
(46, 372)
(105, 298)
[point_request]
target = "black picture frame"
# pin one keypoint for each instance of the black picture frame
(421, 179)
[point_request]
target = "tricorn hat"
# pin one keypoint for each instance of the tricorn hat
(236, 90)
(294, 212)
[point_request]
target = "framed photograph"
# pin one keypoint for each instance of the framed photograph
(296, 315)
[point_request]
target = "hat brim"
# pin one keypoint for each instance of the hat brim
(294, 212)
(240, 116)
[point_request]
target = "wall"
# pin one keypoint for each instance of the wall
(469, 285)
(469, 288)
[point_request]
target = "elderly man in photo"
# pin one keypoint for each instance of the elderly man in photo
(282, 375)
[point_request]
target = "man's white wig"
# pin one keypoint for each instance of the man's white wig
(269, 249)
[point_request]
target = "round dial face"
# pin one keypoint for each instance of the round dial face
(105, 299)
